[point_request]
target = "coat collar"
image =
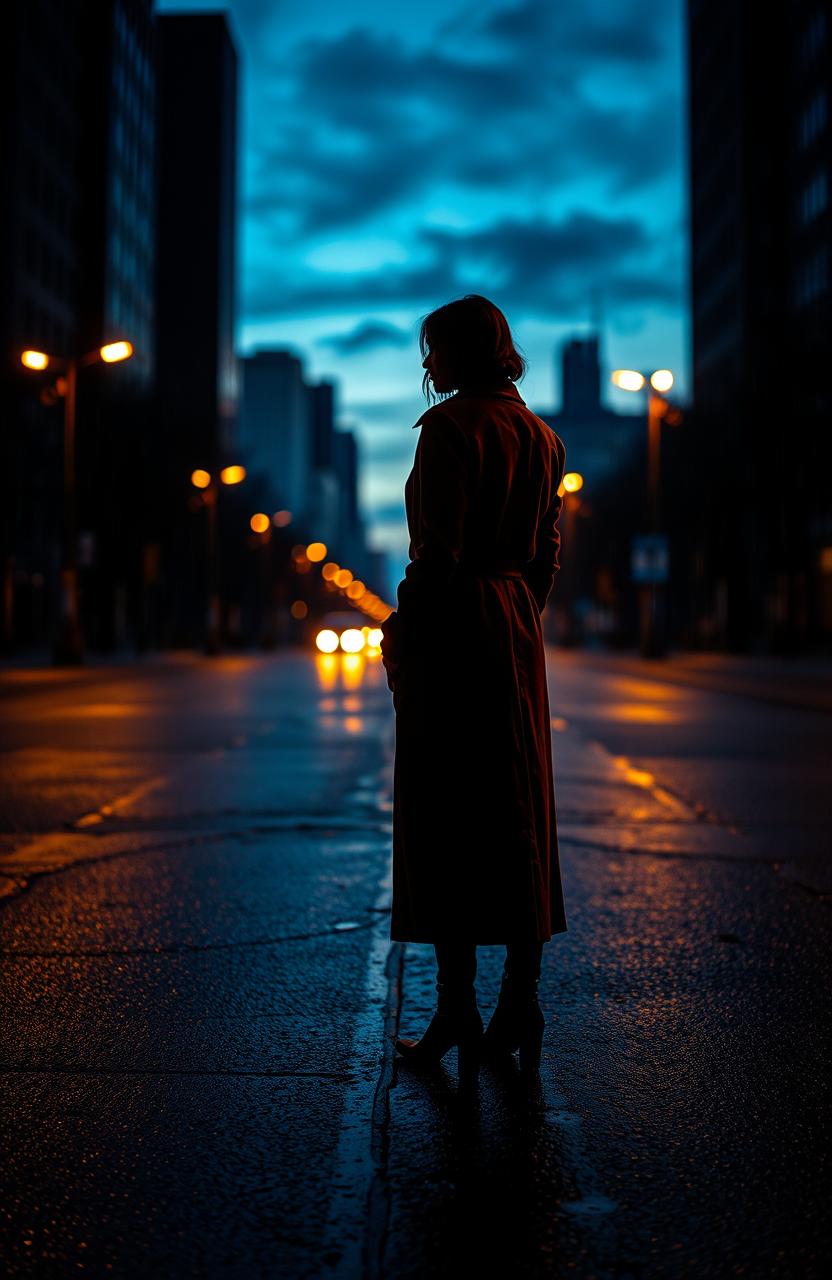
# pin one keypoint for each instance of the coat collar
(508, 391)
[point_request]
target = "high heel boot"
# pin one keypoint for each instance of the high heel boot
(457, 1021)
(516, 1023)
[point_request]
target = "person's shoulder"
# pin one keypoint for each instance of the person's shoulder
(442, 410)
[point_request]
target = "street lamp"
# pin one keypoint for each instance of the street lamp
(69, 645)
(571, 484)
(210, 486)
(650, 551)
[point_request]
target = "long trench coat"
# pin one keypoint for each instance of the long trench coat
(475, 847)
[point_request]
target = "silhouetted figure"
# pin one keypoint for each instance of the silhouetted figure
(475, 851)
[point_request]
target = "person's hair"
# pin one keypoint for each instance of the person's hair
(477, 341)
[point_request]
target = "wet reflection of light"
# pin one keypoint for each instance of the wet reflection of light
(94, 710)
(353, 666)
(639, 713)
(327, 705)
(559, 724)
(327, 665)
(646, 780)
(353, 724)
(352, 704)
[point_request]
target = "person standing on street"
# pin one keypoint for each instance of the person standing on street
(475, 848)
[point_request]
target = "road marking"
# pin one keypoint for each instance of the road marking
(121, 802)
(353, 1238)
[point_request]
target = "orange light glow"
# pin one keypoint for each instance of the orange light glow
(299, 609)
(343, 578)
(232, 475)
(200, 479)
(573, 481)
(316, 551)
(628, 379)
(281, 518)
(260, 522)
(356, 589)
(352, 640)
(661, 380)
(329, 570)
(34, 359)
(112, 352)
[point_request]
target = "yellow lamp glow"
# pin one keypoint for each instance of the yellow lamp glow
(260, 522)
(628, 379)
(327, 641)
(573, 481)
(374, 637)
(316, 551)
(200, 479)
(34, 359)
(112, 352)
(352, 640)
(232, 475)
(661, 380)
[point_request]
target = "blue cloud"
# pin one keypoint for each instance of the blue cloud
(367, 336)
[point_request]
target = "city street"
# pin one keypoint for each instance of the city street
(199, 991)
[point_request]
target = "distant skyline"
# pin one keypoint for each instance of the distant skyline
(393, 158)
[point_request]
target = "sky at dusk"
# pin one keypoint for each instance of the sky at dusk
(395, 156)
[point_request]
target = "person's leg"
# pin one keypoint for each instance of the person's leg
(523, 960)
(456, 963)
(517, 1021)
(457, 1019)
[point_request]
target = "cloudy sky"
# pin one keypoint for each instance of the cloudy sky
(394, 156)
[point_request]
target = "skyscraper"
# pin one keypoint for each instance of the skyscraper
(597, 439)
(196, 362)
(77, 271)
(761, 239)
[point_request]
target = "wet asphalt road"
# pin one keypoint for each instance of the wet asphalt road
(198, 990)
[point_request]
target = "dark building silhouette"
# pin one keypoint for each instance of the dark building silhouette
(196, 364)
(77, 271)
(275, 427)
(598, 439)
(197, 372)
(757, 564)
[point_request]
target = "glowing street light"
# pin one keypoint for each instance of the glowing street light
(34, 360)
(573, 481)
(661, 380)
(200, 479)
(113, 352)
(628, 379)
(260, 522)
(69, 643)
(233, 475)
(654, 546)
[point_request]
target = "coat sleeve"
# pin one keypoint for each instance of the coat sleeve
(440, 504)
(542, 571)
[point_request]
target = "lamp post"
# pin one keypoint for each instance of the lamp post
(210, 486)
(650, 556)
(569, 487)
(69, 649)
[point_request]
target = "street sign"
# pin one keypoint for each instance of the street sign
(650, 558)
